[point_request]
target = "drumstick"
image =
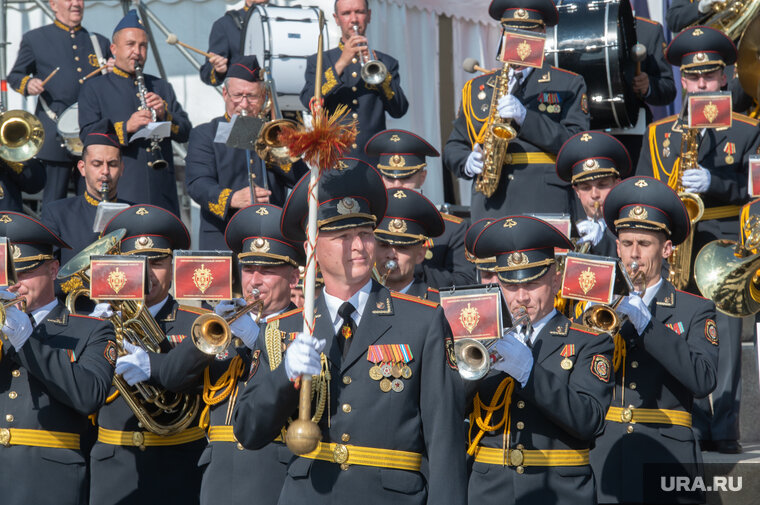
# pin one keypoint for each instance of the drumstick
(92, 74)
(638, 54)
(173, 40)
(50, 76)
(471, 65)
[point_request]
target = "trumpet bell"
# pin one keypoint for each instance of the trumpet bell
(602, 318)
(268, 146)
(730, 281)
(211, 333)
(473, 359)
(504, 131)
(21, 135)
(374, 72)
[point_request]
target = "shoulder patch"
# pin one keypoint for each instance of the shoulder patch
(647, 20)
(285, 314)
(600, 366)
(110, 352)
(193, 310)
(451, 218)
(664, 120)
(432, 290)
(414, 299)
(745, 119)
(692, 294)
(711, 332)
(451, 357)
(565, 71)
(254, 364)
(585, 329)
(87, 317)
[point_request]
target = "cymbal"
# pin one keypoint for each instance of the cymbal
(748, 61)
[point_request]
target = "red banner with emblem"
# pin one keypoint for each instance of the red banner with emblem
(754, 176)
(202, 275)
(522, 48)
(710, 110)
(7, 271)
(118, 278)
(588, 279)
(473, 313)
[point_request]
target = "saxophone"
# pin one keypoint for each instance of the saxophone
(498, 134)
(158, 162)
(680, 259)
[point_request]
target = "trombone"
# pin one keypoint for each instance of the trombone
(211, 332)
(475, 359)
(373, 72)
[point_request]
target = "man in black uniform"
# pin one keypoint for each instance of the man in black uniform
(721, 181)
(593, 162)
(269, 264)
(401, 159)
(546, 106)
(342, 83)
(410, 222)
(666, 354)
(56, 369)
(486, 267)
(116, 96)
(15, 177)
(67, 46)
(395, 402)
(222, 179)
(224, 43)
(128, 464)
(534, 416)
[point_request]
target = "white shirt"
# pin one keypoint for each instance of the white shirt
(41, 313)
(650, 292)
(513, 76)
(359, 301)
(406, 288)
(537, 327)
(155, 309)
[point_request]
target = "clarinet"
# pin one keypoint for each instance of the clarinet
(157, 161)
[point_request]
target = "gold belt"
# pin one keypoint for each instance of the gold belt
(225, 434)
(654, 416)
(721, 212)
(532, 457)
(529, 158)
(346, 455)
(147, 439)
(39, 438)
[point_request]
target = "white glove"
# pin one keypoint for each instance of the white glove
(590, 231)
(102, 310)
(516, 358)
(509, 107)
(135, 366)
(637, 311)
(474, 164)
(243, 327)
(302, 356)
(6, 295)
(705, 6)
(18, 327)
(696, 180)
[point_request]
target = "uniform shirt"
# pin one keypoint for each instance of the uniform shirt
(41, 51)
(536, 328)
(224, 40)
(358, 300)
(41, 313)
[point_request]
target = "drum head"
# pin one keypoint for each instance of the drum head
(68, 122)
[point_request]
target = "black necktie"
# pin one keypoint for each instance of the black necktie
(347, 329)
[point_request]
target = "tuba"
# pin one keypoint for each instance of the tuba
(731, 16)
(498, 135)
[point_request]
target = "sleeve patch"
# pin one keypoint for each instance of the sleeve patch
(711, 332)
(584, 103)
(110, 352)
(600, 366)
(451, 358)
(220, 206)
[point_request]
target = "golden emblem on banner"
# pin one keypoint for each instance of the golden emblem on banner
(523, 50)
(469, 317)
(710, 111)
(116, 279)
(586, 280)
(202, 278)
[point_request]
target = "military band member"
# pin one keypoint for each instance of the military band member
(67, 46)
(486, 267)
(546, 106)
(129, 465)
(410, 221)
(721, 182)
(401, 159)
(268, 263)
(217, 176)
(534, 416)
(224, 43)
(593, 162)
(15, 177)
(668, 356)
(412, 417)
(56, 369)
(342, 83)
(116, 97)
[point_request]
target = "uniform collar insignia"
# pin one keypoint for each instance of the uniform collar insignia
(560, 330)
(121, 73)
(90, 199)
(547, 77)
(384, 308)
(669, 300)
(67, 28)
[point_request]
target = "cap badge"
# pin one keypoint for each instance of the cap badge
(16, 251)
(142, 211)
(260, 245)
(521, 14)
(397, 161)
(342, 165)
(397, 226)
(395, 138)
(143, 242)
(347, 206)
(262, 211)
(590, 165)
(399, 194)
(638, 212)
(509, 223)
(585, 137)
(6, 219)
(517, 259)
(697, 32)
(700, 57)
(641, 183)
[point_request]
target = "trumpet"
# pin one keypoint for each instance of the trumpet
(211, 332)
(604, 318)
(389, 265)
(373, 72)
(475, 359)
(9, 303)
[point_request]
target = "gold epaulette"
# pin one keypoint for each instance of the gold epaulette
(564, 70)
(193, 310)
(414, 299)
(453, 219)
(647, 20)
(285, 314)
(664, 120)
(744, 119)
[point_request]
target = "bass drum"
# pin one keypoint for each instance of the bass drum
(594, 39)
(282, 38)
(68, 130)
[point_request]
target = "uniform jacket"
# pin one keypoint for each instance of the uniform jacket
(367, 103)
(523, 187)
(557, 409)
(681, 14)
(60, 376)
(258, 473)
(425, 417)
(224, 40)
(114, 96)
(445, 264)
(675, 360)
(167, 474)
(28, 177)
(213, 172)
(422, 290)
(662, 85)
(41, 51)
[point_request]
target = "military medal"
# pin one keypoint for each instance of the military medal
(729, 149)
(406, 372)
(385, 385)
(390, 364)
(482, 92)
(386, 369)
(375, 374)
(557, 108)
(396, 371)
(397, 385)
(567, 351)
(666, 145)
(542, 107)
(375, 357)
(566, 364)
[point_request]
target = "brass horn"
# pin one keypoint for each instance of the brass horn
(268, 146)
(373, 72)
(604, 318)
(390, 265)
(21, 135)
(8, 303)
(732, 17)
(211, 332)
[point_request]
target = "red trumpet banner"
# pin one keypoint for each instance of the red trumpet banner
(117, 278)
(202, 277)
(7, 272)
(754, 176)
(476, 316)
(559, 221)
(586, 279)
(523, 49)
(711, 110)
